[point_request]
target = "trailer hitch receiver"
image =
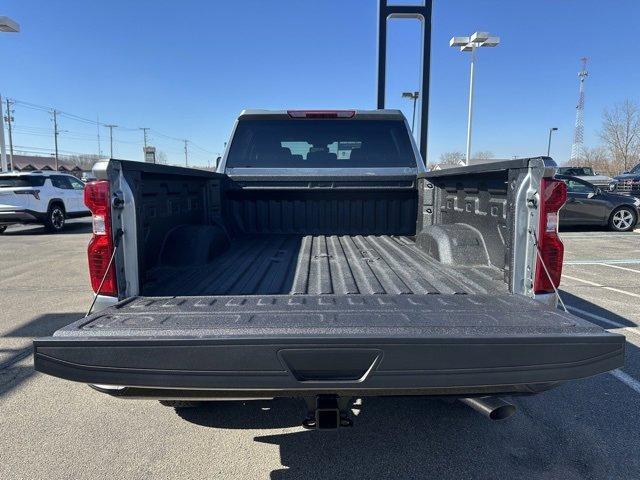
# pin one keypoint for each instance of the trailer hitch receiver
(327, 412)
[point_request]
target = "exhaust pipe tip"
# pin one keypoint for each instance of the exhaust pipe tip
(493, 408)
(502, 412)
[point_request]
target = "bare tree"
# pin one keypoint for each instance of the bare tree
(597, 158)
(84, 161)
(161, 157)
(483, 155)
(621, 133)
(450, 159)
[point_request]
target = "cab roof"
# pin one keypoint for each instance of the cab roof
(41, 173)
(349, 114)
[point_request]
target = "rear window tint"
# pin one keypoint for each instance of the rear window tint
(324, 143)
(576, 171)
(21, 181)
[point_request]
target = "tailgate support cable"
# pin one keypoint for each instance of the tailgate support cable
(116, 244)
(546, 270)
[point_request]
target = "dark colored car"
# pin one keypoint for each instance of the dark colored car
(628, 183)
(589, 205)
(587, 173)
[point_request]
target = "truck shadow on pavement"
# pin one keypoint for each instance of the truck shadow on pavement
(256, 414)
(13, 371)
(581, 430)
(44, 325)
(573, 302)
(71, 228)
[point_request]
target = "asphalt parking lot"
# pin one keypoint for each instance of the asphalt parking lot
(50, 428)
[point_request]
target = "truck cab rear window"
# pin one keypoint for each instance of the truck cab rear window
(322, 143)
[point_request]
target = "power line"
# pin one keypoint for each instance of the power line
(166, 136)
(200, 148)
(31, 149)
(75, 135)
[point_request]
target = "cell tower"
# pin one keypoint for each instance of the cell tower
(577, 149)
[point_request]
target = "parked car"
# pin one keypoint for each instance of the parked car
(48, 198)
(323, 262)
(628, 183)
(588, 204)
(587, 173)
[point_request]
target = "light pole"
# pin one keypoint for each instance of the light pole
(470, 44)
(551, 130)
(414, 96)
(11, 26)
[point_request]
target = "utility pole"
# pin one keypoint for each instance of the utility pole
(9, 124)
(144, 132)
(186, 153)
(3, 149)
(98, 127)
(111, 127)
(55, 134)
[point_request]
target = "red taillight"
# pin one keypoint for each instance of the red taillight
(97, 199)
(553, 194)
(321, 113)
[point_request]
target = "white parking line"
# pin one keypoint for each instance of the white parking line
(618, 267)
(582, 235)
(607, 262)
(628, 380)
(613, 323)
(594, 284)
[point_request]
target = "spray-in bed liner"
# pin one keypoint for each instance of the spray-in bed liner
(317, 265)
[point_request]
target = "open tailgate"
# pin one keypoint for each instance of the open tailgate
(432, 344)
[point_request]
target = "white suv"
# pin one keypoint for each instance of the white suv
(48, 198)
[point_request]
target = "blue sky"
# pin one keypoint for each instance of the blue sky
(187, 68)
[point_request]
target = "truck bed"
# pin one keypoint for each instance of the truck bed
(323, 265)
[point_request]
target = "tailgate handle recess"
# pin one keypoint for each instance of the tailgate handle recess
(330, 364)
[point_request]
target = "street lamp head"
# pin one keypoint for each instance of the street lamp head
(477, 40)
(8, 25)
(412, 95)
(479, 37)
(491, 42)
(554, 129)
(458, 41)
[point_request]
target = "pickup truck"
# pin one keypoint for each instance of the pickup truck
(322, 261)
(628, 183)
